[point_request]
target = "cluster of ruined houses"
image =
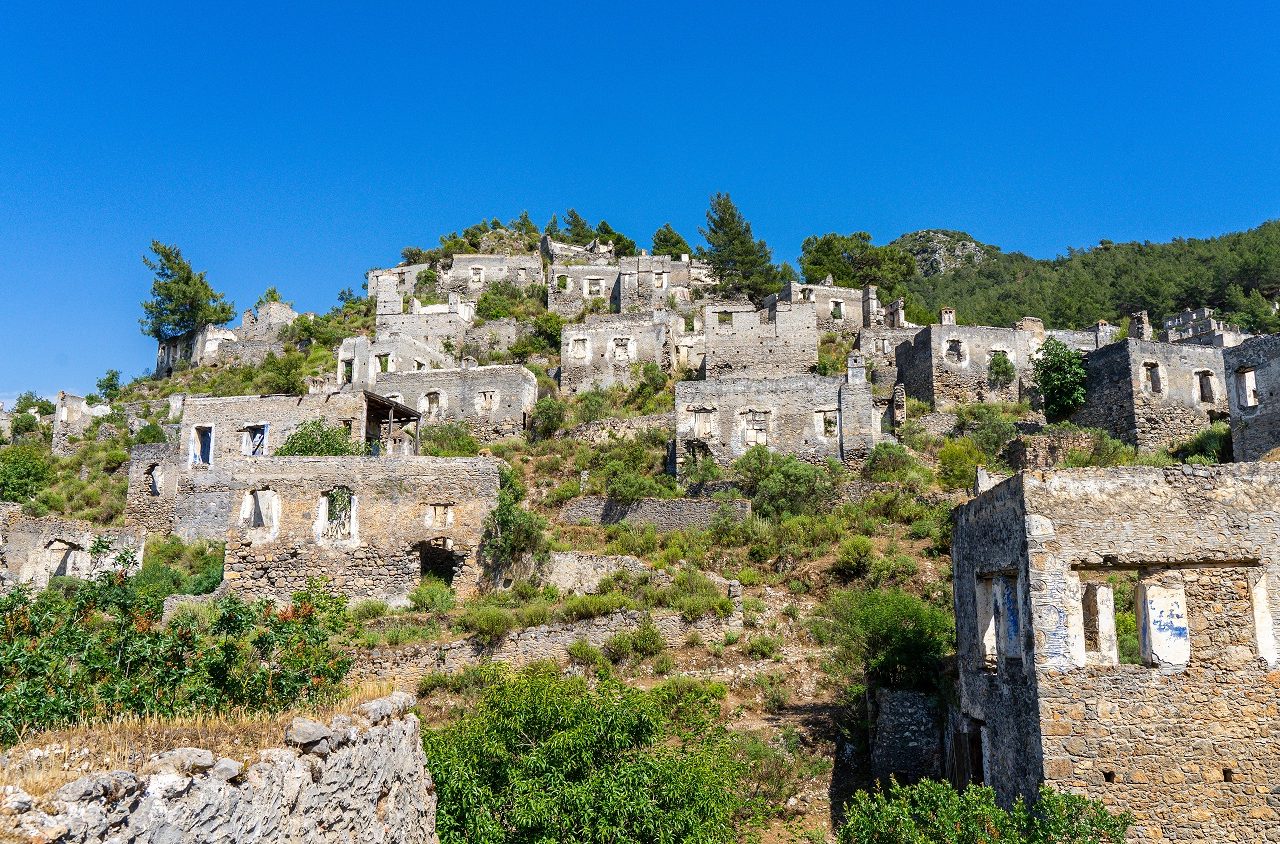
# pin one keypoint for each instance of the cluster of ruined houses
(1184, 739)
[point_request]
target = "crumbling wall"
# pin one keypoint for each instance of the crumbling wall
(72, 417)
(493, 401)
(573, 288)
(1253, 388)
(654, 282)
(1151, 395)
(906, 737)
(231, 417)
(840, 310)
(665, 514)
(879, 346)
(603, 350)
(409, 516)
(154, 473)
(471, 275)
(1184, 740)
(32, 550)
(1044, 451)
(778, 341)
(358, 778)
(949, 365)
(603, 430)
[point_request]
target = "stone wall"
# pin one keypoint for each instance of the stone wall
(1184, 740)
(358, 778)
(1044, 451)
(572, 572)
(653, 282)
(409, 516)
(472, 275)
(906, 737)
(32, 550)
(1255, 411)
(493, 401)
(571, 288)
(154, 473)
(879, 345)
(1150, 394)
(665, 514)
(779, 341)
(949, 365)
(603, 430)
(231, 417)
(538, 643)
(603, 350)
(840, 310)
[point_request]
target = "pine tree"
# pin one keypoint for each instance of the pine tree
(741, 264)
(552, 229)
(181, 299)
(579, 231)
(667, 241)
(623, 246)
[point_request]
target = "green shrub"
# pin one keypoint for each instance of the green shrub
(24, 471)
(539, 757)
(618, 647)
(488, 624)
(369, 610)
(448, 439)
(663, 665)
(579, 607)
(564, 492)
(432, 595)
(891, 463)
(958, 463)
(150, 433)
(780, 485)
(315, 439)
(885, 638)
(764, 647)
(1060, 375)
(647, 639)
(171, 566)
(23, 424)
(547, 418)
(775, 693)
(1000, 372)
(990, 426)
(582, 652)
(695, 595)
(1212, 445)
(854, 557)
(935, 813)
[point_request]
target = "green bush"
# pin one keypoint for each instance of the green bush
(97, 651)
(578, 607)
(618, 647)
(582, 652)
(990, 426)
(1060, 375)
(547, 418)
(647, 639)
(885, 638)
(24, 471)
(150, 433)
(935, 813)
(315, 439)
(432, 595)
(892, 463)
(958, 462)
(23, 424)
(171, 566)
(369, 610)
(543, 758)
(695, 595)
(1000, 372)
(780, 485)
(488, 624)
(854, 557)
(1212, 445)
(510, 531)
(448, 439)
(764, 647)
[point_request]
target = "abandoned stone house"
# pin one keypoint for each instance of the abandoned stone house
(258, 334)
(373, 528)
(72, 417)
(575, 288)
(596, 252)
(218, 429)
(362, 360)
(605, 349)
(949, 364)
(492, 401)
(1150, 395)
(811, 417)
(1184, 740)
(33, 550)
(1200, 328)
(779, 340)
(840, 310)
(472, 275)
(1253, 396)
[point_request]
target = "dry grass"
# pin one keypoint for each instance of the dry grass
(48, 760)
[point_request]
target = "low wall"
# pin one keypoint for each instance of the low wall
(906, 740)
(603, 430)
(537, 643)
(1046, 451)
(665, 514)
(358, 778)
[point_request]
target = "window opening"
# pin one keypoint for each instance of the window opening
(204, 445)
(955, 351)
(339, 503)
(254, 442)
(1206, 386)
(724, 317)
(1152, 372)
(348, 371)
(437, 559)
(837, 309)
(1247, 387)
(702, 423)
(757, 432)
(384, 363)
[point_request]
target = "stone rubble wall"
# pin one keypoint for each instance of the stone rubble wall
(906, 738)
(665, 514)
(33, 550)
(1255, 431)
(1047, 450)
(603, 430)
(358, 778)
(538, 643)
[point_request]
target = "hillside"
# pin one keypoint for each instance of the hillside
(1237, 274)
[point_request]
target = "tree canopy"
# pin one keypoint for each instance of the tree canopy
(181, 299)
(741, 264)
(852, 261)
(668, 241)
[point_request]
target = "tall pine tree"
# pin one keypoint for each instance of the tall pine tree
(667, 241)
(181, 299)
(741, 264)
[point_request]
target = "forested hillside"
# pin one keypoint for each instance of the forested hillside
(1237, 274)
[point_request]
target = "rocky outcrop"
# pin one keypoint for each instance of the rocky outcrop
(937, 251)
(358, 778)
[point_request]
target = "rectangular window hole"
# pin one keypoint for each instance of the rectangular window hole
(1228, 775)
(1109, 776)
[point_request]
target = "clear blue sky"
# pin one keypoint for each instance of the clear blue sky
(300, 144)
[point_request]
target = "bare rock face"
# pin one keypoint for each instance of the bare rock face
(360, 778)
(937, 251)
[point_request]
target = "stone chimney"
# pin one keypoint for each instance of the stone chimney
(1140, 327)
(947, 316)
(855, 369)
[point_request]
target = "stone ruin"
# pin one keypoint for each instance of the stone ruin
(258, 334)
(1253, 373)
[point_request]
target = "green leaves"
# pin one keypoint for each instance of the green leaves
(852, 261)
(181, 298)
(742, 265)
(315, 439)
(1060, 375)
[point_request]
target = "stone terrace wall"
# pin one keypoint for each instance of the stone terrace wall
(1047, 450)
(537, 643)
(603, 430)
(665, 514)
(906, 741)
(360, 778)
(1255, 431)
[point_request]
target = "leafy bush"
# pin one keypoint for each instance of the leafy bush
(28, 400)
(1213, 445)
(547, 418)
(885, 638)
(150, 433)
(582, 652)
(1000, 372)
(990, 426)
(171, 566)
(432, 595)
(315, 439)
(448, 439)
(487, 623)
(23, 424)
(854, 557)
(935, 813)
(891, 463)
(647, 639)
(695, 595)
(97, 650)
(511, 531)
(369, 610)
(24, 471)
(578, 607)
(780, 485)
(958, 462)
(764, 647)
(543, 758)
(1060, 375)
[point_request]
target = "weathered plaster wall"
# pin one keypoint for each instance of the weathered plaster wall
(601, 351)
(358, 778)
(32, 550)
(493, 401)
(230, 416)
(778, 341)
